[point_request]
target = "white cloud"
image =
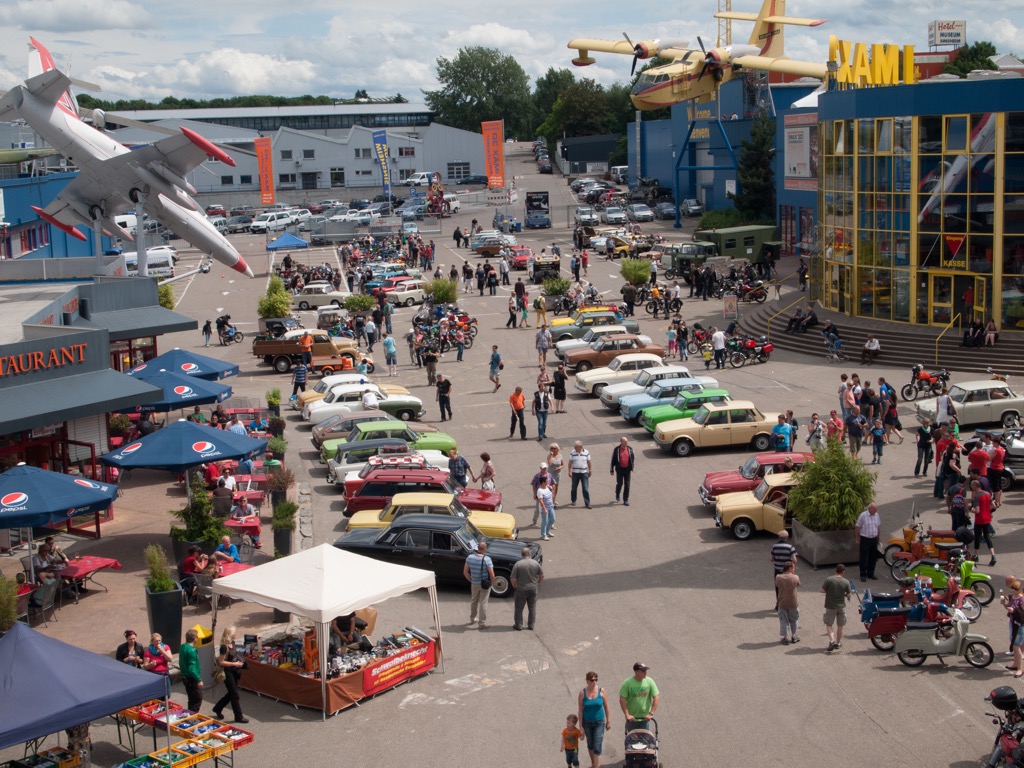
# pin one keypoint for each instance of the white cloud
(75, 15)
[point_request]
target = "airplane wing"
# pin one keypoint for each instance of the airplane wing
(789, 66)
(605, 46)
(795, 20)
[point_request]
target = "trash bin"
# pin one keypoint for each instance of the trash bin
(207, 651)
(518, 227)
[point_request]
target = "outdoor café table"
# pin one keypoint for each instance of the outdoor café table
(254, 482)
(226, 569)
(244, 525)
(253, 497)
(85, 569)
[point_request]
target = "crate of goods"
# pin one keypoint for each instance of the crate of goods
(236, 736)
(62, 757)
(148, 713)
(204, 729)
(217, 745)
(165, 758)
(132, 713)
(184, 726)
(171, 718)
(194, 752)
(34, 761)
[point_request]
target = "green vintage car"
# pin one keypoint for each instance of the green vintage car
(375, 430)
(684, 406)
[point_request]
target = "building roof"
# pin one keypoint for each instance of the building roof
(369, 108)
(138, 321)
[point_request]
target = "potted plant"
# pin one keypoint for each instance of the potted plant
(8, 604)
(274, 401)
(829, 496)
(554, 289)
(277, 446)
(282, 522)
(201, 527)
(279, 481)
(119, 425)
(276, 425)
(163, 597)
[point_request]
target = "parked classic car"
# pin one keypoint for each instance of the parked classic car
(373, 487)
(718, 425)
(763, 509)
(605, 350)
(622, 368)
(748, 476)
(500, 525)
(371, 430)
(324, 386)
(558, 322)
(985, 401)
(341, 425)
(440, 544)
(348, 398)
(355, 457)
(593, 333)
(590, 320)
(612, 395)
(408, 293)
(663, 391)
(683, 406)
(319, 296)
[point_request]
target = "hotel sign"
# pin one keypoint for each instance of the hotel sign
(947, 33)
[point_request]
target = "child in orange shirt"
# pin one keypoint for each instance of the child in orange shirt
(571, 741)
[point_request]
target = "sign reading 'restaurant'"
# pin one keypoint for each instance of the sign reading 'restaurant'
(42, 360)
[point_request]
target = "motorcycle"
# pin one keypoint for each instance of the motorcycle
(958, 565)
(698, 336)
(669, 305)
(1006, 748)
(756, 350)
(755, 292)
(923, 380)
(950, 636)
(231, 334)
(917, 544)
(564, 304)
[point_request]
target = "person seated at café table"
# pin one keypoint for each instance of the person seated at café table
(44, 567)
(194, 563)
(211, 474)
(220, 413)
(245, 466)
(130, 652)
(56, 555)
(221, 500)
(237, 427)
(229, 479)
(145, 425)
(345, 633)
(198, 417)
(242, 510)
(870, 349)
(156, 657)
(226, 552)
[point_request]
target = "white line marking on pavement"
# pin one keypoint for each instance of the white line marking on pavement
(579, 647)
(461, 687)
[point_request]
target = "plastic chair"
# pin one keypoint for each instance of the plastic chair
(246, 551)
(46, 596)
(205, 590)
(26, 565)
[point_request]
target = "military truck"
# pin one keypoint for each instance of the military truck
(680, 259)
(755, 242)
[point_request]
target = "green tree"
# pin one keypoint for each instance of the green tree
(972, 57)
(635, 271)
(755, 176)
(548, 88)
(165, 296)
(832, 490)
(361, 94)
(619, 109)
(581, 110)
(482, 84)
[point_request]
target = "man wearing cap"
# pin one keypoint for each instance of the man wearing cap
(639, 697)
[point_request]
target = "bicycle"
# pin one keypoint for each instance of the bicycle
(834, 351)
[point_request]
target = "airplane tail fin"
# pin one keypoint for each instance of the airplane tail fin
(769, 24)
(39, 62)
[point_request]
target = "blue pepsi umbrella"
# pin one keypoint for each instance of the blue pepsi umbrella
(32, 497)
(182, 445)
(182, 392)
(185, 363)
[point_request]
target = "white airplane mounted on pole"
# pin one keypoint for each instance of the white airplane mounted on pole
(114, 179)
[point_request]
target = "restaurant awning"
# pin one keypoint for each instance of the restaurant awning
(71, 397)
(132, 323)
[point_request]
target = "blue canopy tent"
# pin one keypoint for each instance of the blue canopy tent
(287, 242)
(47, 686)
(182, 445)
(181, 391)
(185, 363)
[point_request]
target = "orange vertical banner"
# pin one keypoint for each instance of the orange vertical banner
(265, 163)
(494, 152)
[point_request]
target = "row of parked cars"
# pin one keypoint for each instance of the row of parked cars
(401, 504)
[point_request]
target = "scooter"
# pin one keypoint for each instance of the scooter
(231, 334)
(958, 565)
(916, 544)
(1008, 737)
(947, 637)
(889, 620)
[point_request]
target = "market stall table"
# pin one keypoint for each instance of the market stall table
(84, 569)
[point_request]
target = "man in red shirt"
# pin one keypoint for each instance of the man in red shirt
(995, 470)
(981, 505)
(978, 458)
(623, 461)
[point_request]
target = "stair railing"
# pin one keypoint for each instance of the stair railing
(801, 300)
(953, 321)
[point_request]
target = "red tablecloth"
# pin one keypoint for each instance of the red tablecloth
(226, 569)
(253, 497)
(257, 481)
(84, 567)
(244, 525)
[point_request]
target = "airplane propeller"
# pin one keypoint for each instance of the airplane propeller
(707, 62)
(636, 54)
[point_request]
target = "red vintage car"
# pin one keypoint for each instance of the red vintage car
(520, 258)
(375, 489)
(748, 476)
(391, 283)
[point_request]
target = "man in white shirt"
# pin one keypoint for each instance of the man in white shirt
(370, 402)
(868, 525)
(870, 349)
(718, 345)
(229, 479)
(580, 466)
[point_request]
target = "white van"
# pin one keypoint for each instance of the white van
(160, 262)
(453, 203)
(419, 179)
(220, 223)
(620, 173)
(269, 222)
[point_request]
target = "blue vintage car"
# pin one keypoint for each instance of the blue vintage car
(658, 393)
(538, 220)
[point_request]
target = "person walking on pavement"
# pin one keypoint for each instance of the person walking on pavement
(390, 353)
(623, 462)
(595, 717)
(495, 368)
(227, 659)
(867, 526)
(299, 377)
(527, 574)
(786, 585)
(207, 333)
(444, 396)
(191, 674)
(546, 504)
(558, 385)
(517, 402)
(837, 593)
(535, 484)
(540, 408)
(543, 344)
(503, 269)
(512, 307)
(429, 358)
(782, 552)
(639, 697)
(477, 570)
(541, 312)
(628, 297)
(718, 346)
(580, 465)
(458, 468)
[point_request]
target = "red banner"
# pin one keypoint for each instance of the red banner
(265, 161)
(395, 669)
(494, 152)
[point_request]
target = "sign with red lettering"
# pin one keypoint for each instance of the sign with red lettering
(265, 164)
(494, 152)
(407, 663)
(42, 360)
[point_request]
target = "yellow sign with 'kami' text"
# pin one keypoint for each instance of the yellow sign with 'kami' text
(860, 64)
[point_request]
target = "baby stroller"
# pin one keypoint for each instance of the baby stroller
(642, 745)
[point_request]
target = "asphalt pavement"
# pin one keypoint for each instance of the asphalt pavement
(655, 582)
